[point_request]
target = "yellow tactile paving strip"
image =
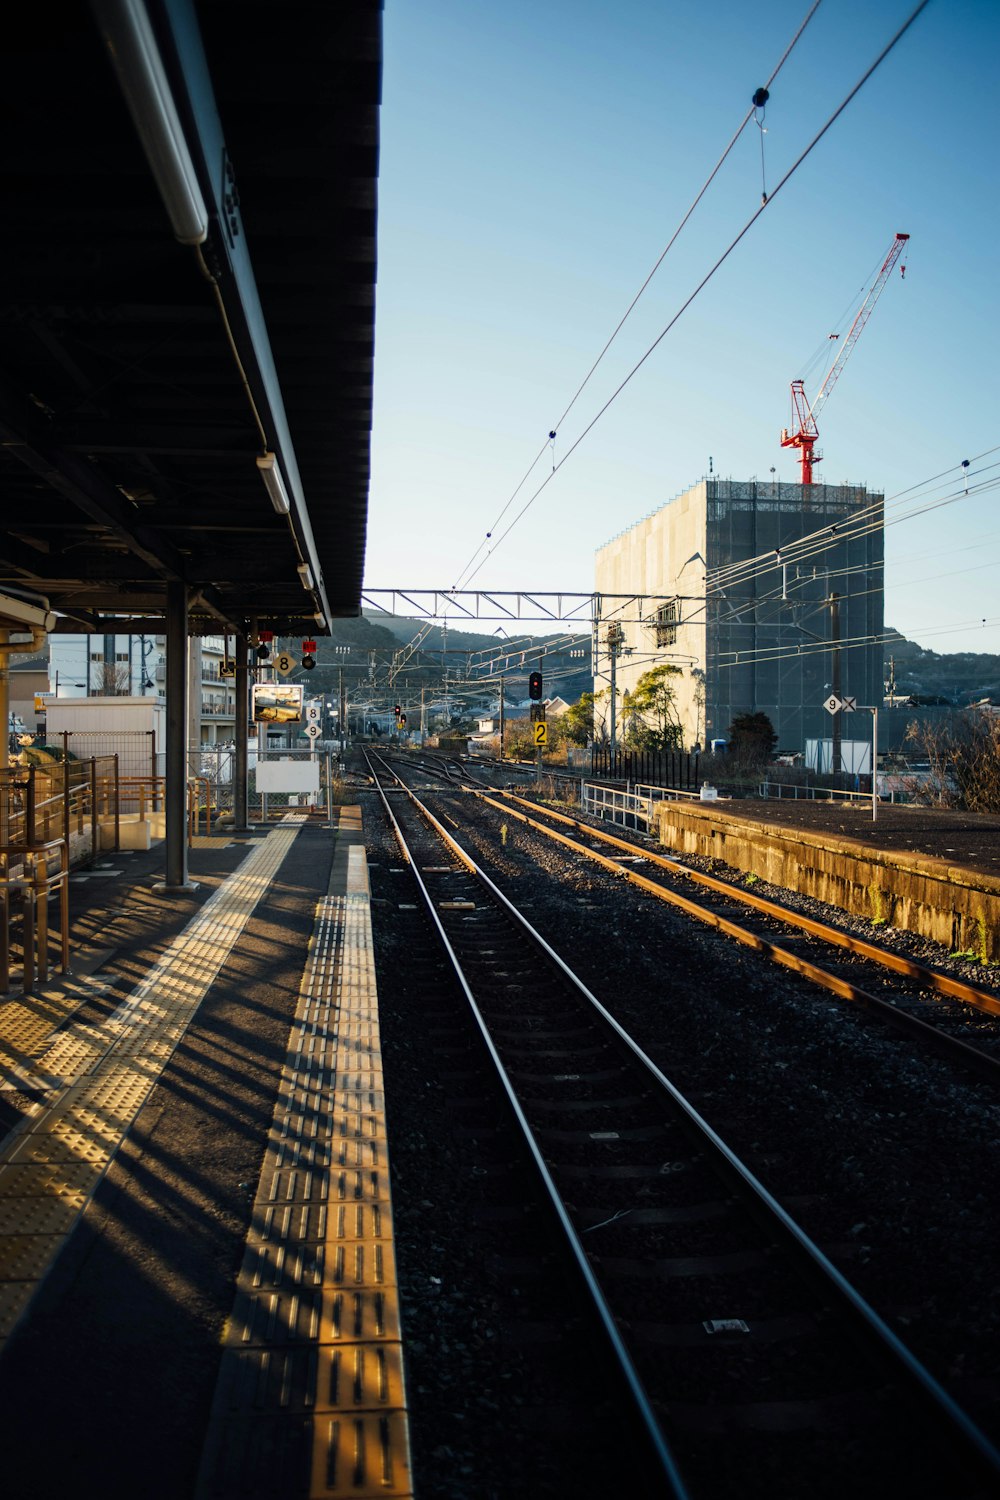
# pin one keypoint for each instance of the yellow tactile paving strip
(101, 1076)
(310, 1399)
(27, 1023)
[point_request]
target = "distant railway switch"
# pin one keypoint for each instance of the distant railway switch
(535, 685)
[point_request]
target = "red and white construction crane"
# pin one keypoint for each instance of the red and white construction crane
(805, 432)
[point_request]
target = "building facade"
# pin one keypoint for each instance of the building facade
(108, 666)
(767, 597)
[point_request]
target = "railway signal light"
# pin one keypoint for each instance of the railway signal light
(402, 721)
(535, 685)
(308, 662)
(398, 710)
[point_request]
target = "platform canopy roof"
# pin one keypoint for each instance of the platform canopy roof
(187, 295)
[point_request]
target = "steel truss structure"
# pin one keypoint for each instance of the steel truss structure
(584, 609)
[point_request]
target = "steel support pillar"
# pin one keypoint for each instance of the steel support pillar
(242, 725)
(176, 877)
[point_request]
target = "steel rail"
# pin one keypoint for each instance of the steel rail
(665, 1458)
(887, 1345)
(962, 1052)
(956, 989)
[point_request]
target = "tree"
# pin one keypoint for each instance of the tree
(652, 721)
(519, 739)
(111, 679)
(578, 720)
(752, 739)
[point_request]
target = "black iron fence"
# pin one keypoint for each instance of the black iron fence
(669, 768)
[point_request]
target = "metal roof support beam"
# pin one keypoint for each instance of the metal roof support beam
(84, 484)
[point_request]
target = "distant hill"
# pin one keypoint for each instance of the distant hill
(365, 649)
(958, 677)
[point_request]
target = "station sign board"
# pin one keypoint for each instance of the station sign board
(276, 702)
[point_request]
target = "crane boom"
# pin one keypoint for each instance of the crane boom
(806, 433)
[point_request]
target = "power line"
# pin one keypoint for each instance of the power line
(628, 311)
(859, 523)
(708, 277)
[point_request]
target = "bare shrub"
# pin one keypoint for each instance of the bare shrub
(963, 754)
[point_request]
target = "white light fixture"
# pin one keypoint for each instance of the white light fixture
(305, 572)
(320, 619)
(136, 59)
(273, 482)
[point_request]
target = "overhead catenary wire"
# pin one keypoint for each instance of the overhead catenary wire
(869, 71)
(632, 305)
(814, 648)
(861, 523)
(734, 609)
(854, 523)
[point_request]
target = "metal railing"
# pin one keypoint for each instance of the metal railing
(27, 885)
(777, 791)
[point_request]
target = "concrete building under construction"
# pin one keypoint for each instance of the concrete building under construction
(768, 597)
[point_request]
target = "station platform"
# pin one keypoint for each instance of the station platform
(201, 1099)
(930, 871)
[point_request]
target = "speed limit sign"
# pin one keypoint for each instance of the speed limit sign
(284, 662)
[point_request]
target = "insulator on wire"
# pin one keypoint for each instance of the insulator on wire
(760, 98)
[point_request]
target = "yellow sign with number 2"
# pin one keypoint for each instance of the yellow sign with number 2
(541, 733)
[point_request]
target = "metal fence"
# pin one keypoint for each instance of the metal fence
(669, 768)
(135, 748)
(313, 780)
(632, 807)
(52, 815)
(63, 800)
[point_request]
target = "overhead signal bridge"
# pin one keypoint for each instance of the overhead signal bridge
(557, 607)
(433, 604)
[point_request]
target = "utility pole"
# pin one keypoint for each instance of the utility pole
(614, 639)
(837, 758)
(342, 700)
(423, 716)
(502, 725)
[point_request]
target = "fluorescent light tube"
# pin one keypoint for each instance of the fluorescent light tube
(136, 59)
(306, 574)
(273, 482)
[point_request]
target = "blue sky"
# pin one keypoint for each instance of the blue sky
(537, 156)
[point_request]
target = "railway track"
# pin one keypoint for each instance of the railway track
(753, 1365)
(935, 1009)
